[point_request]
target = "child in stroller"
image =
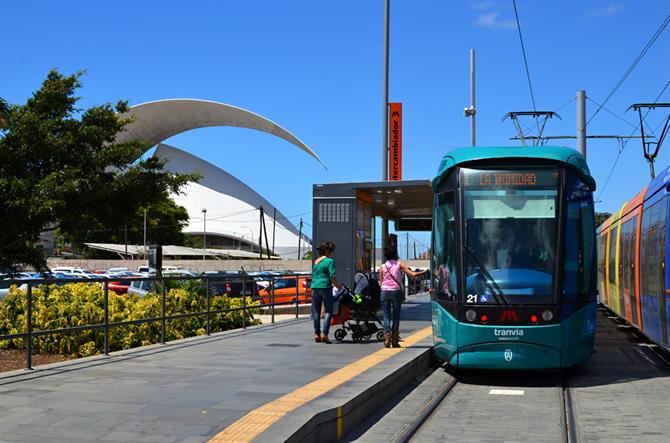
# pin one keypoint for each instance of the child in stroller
(363, 304)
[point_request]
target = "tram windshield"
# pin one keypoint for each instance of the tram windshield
(510, 235)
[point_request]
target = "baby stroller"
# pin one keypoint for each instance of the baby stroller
(361, 307)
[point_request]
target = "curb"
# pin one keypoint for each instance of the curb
(332, 424)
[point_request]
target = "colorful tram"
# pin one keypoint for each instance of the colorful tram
(632, 250)
(513, 258)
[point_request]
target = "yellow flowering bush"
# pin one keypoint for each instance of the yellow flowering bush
(81, 304)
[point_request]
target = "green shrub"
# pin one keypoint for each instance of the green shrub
(82, 304)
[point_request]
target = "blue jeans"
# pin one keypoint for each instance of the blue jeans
(319, 296)
(391, 302)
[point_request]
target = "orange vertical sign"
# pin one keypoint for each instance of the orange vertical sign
(395, 141)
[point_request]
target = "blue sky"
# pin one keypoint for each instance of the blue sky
(315, 67)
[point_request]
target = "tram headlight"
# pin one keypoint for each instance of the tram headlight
(547, 315)
(471, 315)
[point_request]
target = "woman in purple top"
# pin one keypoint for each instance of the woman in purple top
(390, 275)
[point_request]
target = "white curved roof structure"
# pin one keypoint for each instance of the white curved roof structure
(156, 121)
(232, 206)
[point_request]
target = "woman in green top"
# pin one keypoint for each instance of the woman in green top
(323, 279)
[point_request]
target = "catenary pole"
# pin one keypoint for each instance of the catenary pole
(385, 131)
(581, 122)
(472, 97)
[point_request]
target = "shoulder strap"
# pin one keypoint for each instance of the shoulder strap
(389, 272)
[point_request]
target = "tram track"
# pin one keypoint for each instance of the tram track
(454, 391)
(425, 412)
(568, 422)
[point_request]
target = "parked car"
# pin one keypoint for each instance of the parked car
(140, 288)
(285, 290)
(7, 280)
(231, 283)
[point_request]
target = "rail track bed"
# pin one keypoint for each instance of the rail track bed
(620, 395)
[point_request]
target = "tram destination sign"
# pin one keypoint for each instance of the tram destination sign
(528, 178)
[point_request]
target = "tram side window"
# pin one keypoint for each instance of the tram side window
(444, 248)
(580, 253)
(614, 234)
(653, 248)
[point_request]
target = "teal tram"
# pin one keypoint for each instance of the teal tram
(513, 258)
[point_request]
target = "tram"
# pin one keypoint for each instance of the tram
(513, 258)
(632, 248)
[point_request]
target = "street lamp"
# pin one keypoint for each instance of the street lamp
(204, 233)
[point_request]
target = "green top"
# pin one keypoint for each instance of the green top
(323, 274)
(569, 157)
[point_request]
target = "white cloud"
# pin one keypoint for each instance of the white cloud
(484, 5)
(604, 11)
(491, 20)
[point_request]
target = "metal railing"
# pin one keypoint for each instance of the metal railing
(267, 298)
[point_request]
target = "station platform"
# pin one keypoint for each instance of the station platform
(265, 383)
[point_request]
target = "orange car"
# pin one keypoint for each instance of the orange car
(285, 290)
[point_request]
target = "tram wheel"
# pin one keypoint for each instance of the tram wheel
(380, 336)
(340, 334)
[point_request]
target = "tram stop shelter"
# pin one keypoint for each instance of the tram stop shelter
(345, 214)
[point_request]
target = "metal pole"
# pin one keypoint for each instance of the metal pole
(300, 239)
(385, 131)
(244, 300)
(260, 233)
(145, 234)
(29, 328)
(581, 122)
(472, 96)
(125, 237)
(374, 243)
(265, 231)
(106, 308)
(385, 135)
(163, 312)
(209, 306)
(272, 299)
(274, 228)
(204, 232)
(407, 245)
(297, 294)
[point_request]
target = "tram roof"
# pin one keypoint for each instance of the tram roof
(560, 154)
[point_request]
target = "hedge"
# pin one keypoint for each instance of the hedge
(83, 304)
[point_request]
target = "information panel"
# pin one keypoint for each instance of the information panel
(527, 178)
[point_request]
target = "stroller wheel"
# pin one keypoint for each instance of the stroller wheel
(357, 337)
(380, 336)
(367, 337)
(340, 334)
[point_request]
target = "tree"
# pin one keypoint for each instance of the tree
(60, 168)
(601, 217)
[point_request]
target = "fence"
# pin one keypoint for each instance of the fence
(278, 292)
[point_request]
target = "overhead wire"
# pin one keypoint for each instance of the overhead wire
(611, 112)
(634, 64)
(625, 142)
(525, 62)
